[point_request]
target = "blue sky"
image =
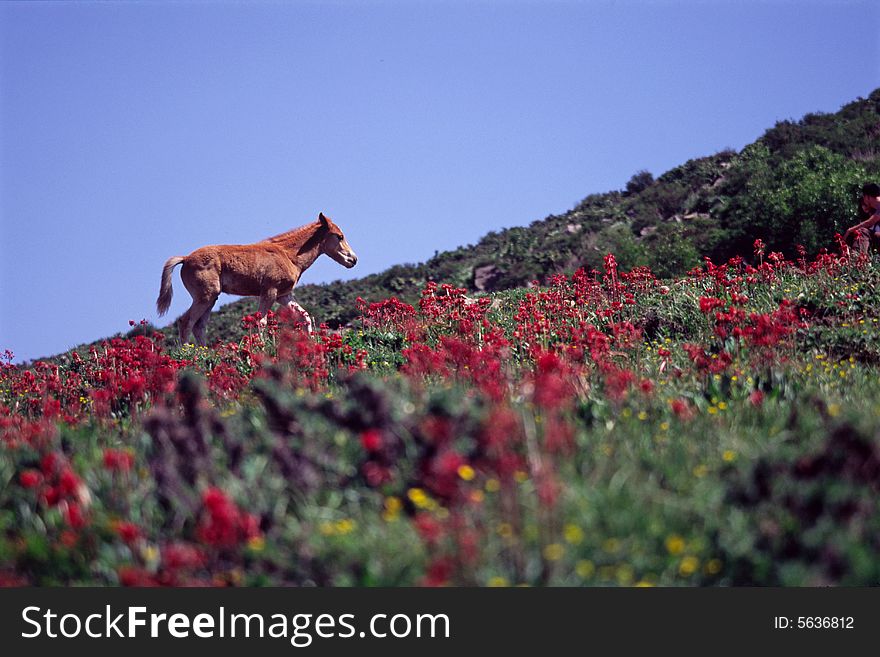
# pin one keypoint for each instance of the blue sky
(133, 132)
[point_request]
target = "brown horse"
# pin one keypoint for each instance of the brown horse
(268, 269)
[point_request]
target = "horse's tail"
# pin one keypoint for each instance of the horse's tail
(165, 292)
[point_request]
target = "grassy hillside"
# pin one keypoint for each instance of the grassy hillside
(608, 429)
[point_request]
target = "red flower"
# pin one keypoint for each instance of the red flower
(73, 516)
(681, 409)
(117, 459)
(29, 478)
(250, 526)
(756, 398)
(127, 531)
(428, 528)
(371, 439)
(133, 576)
(438, 572)
(558, 436)
(708, 304)
(49, 463)
(223, 524)
(181, 555)
(51, 496)
(68, 482)
(448, 463)
(552, 385)
(376, 474)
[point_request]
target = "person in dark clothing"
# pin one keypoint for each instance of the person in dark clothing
(867, 231)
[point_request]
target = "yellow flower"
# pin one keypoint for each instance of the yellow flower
(729, 455)
(393, 506)
(573, 534)
(256, 543)
(674, 544)
(701, 471)
(688, 565)
(520, 476)
(466, 472)
(664, 426)
(625, 575)
(833, 410)
(713, 566)
(345, 526)
(418, 497)
(150, 553)
(505, 530)
(584, 568)
(722, 406)
(644, 584)
(553, 552)
(498, 581)
(643, 416)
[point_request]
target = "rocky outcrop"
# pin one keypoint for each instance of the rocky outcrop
(485, 277)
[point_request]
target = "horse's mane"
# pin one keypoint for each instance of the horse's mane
(293, 234)
(300, 237)
(301, 234)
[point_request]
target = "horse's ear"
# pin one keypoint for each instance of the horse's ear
(324, 220)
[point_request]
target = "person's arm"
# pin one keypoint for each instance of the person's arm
(867, 223)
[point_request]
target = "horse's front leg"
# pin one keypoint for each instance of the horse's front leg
(299, 313)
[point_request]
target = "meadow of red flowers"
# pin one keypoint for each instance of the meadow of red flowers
(607, 428)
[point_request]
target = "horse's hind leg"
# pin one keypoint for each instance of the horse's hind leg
(202, 324)
(191, 318)
(203, 285)
(299, 313)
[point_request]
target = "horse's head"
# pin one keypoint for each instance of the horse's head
(335, 245)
